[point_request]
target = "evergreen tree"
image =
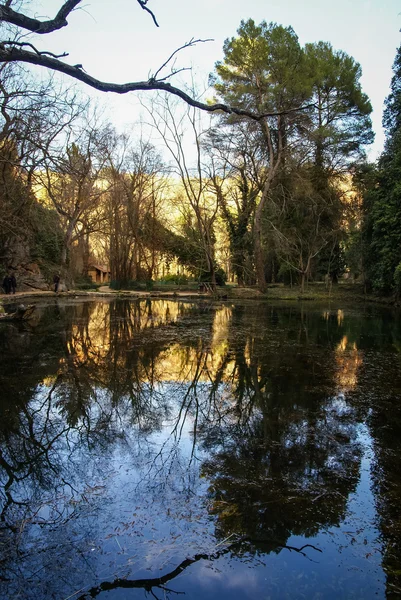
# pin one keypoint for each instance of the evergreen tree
(382, 200)
(340, 122)
(324, 122)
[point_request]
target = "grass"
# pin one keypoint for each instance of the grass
(344, 292)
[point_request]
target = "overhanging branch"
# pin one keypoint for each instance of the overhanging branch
(13, 17)
(9, 15)
(44, 52)
(15, 54)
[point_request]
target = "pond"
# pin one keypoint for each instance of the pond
(210, 450)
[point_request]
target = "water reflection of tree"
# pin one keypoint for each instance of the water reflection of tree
(380, 393)
(376, 397)
(93, 372)
(112, 349)
(82, 378)
(253, 387)
(284, 456)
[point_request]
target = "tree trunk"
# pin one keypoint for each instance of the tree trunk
(274, 163)
(64, 254)
(86, 255)
(259, 262)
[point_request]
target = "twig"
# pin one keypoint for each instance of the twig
(189, 44)
(142, 4)
(38, 52)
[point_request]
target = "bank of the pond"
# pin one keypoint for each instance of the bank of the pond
(344, 293)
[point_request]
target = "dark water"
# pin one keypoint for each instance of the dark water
(156, 449)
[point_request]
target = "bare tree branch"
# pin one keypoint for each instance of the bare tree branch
(142, 4)
(16, 52)
(174, 72)
(159, 582)
(189, 44)
(9, 15)
(39, 52)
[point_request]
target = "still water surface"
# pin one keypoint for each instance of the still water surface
(163, 448)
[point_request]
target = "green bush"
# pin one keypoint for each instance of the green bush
(397, 279)
(131, 285)
(84, 282)
(174, 279)
(87, 286)
(221, 277)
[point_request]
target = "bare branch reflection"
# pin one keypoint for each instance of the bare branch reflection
(143, 432)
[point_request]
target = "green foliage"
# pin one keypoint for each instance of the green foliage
(286, 274)
(47, 234)
(84, 282)
(185, 245)
(397, 279)
(221, 276)
(174, 279)
(382, 199)
(339, 119)
(22, 217)
(87, 286)
(353, 255)
(302, 225)
(392, 112)
(131, 285)
(263, 68)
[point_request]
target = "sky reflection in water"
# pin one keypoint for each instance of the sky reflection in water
(235, 451)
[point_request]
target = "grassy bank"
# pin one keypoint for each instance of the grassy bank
(344, 293)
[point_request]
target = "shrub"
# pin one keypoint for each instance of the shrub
(397, 279)
(221, 277)
(84, 282)
(131, 285)
(174, 279)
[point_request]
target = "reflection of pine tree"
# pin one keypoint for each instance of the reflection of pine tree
(271, 467)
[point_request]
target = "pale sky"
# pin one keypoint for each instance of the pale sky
(117, 41)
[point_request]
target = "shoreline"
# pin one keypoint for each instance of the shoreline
(342, 293)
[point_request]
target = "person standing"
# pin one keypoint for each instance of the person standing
(56, 281)
(13, 283)
(7, 284)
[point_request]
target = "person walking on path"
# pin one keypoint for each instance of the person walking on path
(56, 281)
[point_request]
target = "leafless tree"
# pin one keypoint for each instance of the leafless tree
(73, 181)
(195, 182)
(34, 115)
(136, 176)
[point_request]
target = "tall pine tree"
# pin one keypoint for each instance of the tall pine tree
(382, 202)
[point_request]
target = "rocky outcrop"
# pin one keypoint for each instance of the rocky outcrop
(28, 274)
(30, 277)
